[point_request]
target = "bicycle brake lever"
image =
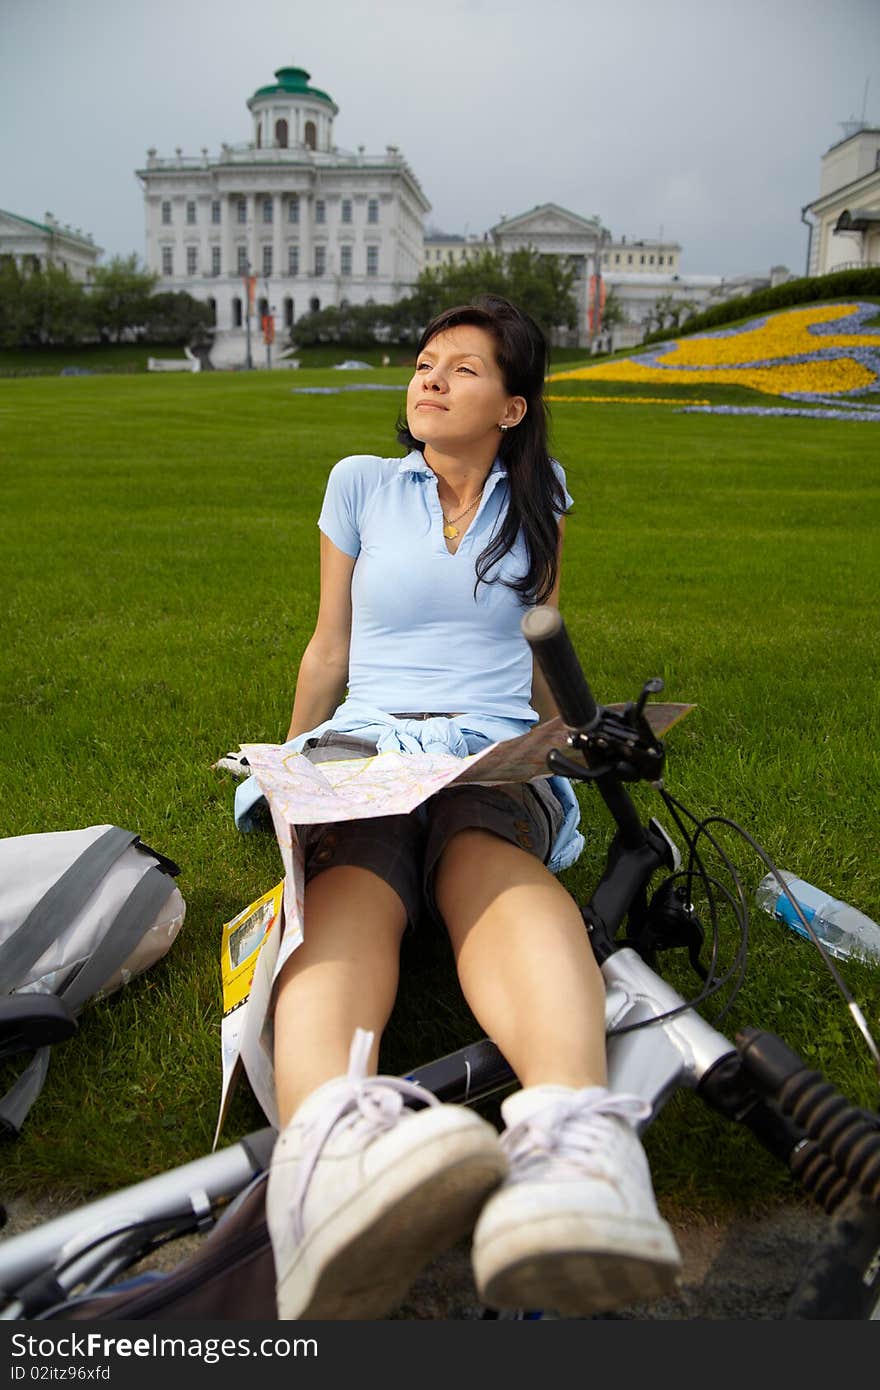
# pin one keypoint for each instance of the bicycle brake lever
(567, 767)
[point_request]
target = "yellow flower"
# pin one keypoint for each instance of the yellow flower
(768, 347)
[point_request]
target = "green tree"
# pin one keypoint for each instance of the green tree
(120, 292)
(668, 312)
(175, 317)
(613, 314)
(12, 308)
(537, 283)
(41, 306)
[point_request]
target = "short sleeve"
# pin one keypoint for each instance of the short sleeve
(560, 473)
(341, 509)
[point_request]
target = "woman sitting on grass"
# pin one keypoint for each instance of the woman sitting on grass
(427, 566)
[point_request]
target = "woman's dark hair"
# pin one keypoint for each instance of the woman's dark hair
(536, 493)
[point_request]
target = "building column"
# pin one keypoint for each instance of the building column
(278, 267)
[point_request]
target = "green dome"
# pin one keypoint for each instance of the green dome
(292, 82)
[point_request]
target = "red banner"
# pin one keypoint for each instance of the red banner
(594, 308)
(250, 285)
(268, 328)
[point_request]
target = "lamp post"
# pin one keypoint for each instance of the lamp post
(248, 361)
(602, 242)
(268, 325)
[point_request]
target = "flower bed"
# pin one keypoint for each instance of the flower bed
(802, 354)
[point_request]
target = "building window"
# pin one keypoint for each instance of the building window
(236, 313)
(346, 209)
(372, 260)
(373, 210)
(659, 260)
(629, 260)
(212, 305)
(191, 214)
(281, 134)
(617, 258)
(320, 260)
(263, 308)
(293, 260)
(641, 260)
(310, 136)
(192, 257)
(288, 312)
(314, 304)
(345, 260)
(241, 259)
(650, 260)
(267, 260)
(320, 210)
(215, 260)
(215, 212)
(166, 214)
(293, 209)
(267, 209)
(167, 260)
(241, 209)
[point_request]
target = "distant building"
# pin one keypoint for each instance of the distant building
(844, 220)
(640, 273)
(316, 225)
(442, 249)
(35, 245)
(552, 230)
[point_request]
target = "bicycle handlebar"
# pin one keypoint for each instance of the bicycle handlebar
(547, 635)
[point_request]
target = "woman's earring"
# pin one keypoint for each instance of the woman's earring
(503, 427)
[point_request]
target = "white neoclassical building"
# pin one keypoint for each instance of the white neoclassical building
(286, 218)
(35, 245)
(844, 221)
(639, 272)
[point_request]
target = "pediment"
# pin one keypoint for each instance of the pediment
(10, 225)
(548, 219)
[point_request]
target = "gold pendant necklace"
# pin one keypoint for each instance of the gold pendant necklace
(450, 530)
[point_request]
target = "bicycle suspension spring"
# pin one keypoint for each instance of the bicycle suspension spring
(842, 1148)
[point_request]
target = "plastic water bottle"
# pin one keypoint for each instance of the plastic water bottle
(843, 930)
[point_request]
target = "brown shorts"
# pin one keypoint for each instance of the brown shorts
(404, 850)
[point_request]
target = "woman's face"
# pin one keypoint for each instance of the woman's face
(457, 397)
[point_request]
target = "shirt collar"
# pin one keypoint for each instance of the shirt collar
(414, 463)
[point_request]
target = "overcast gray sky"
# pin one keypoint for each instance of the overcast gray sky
(701, 119)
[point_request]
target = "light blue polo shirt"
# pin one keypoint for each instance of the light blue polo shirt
(422, 638)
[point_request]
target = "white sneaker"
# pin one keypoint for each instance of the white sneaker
(575, 1226)
(363, 1191)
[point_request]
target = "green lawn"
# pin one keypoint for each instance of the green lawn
(158, 562)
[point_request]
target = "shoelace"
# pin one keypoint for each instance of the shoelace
(376, 1100)
(563, 1133)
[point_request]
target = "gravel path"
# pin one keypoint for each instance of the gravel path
(741, 1269)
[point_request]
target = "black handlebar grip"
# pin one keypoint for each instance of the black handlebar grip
(546, 634)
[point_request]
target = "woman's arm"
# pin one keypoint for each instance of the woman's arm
(323, 671)
(542, 700)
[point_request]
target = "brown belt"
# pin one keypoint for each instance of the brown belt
(434, 714)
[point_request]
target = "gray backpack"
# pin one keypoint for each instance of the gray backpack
(81, 913)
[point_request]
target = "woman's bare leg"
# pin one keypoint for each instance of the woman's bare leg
(524, 960)
(576, 1227)
(343, 976)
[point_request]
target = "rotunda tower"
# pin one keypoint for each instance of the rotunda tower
(290, 114)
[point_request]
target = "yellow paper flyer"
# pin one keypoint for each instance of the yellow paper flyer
(242, 939)
(241, 947)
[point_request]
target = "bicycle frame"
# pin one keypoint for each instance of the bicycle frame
(672, 1047)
